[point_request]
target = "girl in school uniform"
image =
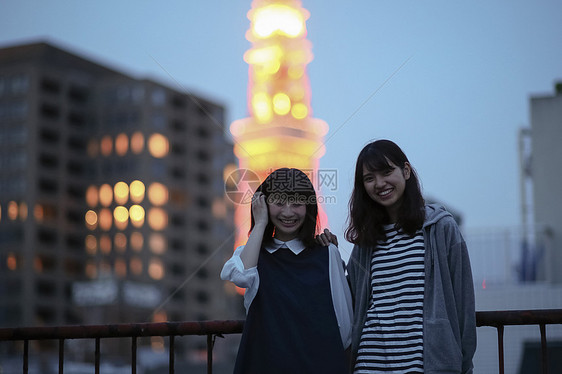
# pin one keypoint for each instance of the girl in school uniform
(297, 298)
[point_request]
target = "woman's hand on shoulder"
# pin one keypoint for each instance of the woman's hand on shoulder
(326, 238)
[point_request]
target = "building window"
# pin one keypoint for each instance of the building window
(20, 84)
(45, 314)
(203, 179)
(50, 111)
(177, 101)
(75, 168)
(202, 297)
(73, 267)
(78, 95)
(45, 288)
(49, 136)
(203, 274)
(202, 249)
(48, 161)
(158, 97)
(46, 236)
(76, 119)
(48, 186)
(51, 86)
(177, 172)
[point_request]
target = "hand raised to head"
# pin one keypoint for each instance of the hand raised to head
(259, 209)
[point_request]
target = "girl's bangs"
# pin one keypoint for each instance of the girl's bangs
(376, 161)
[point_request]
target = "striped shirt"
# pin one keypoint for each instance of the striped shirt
(392, 338)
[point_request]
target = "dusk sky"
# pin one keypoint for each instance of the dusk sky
(449, 82)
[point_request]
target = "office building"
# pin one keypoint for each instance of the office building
(112, 204)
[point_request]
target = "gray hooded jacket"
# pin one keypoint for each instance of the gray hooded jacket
(449, 319)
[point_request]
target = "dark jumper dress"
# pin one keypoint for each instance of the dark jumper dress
(291, 326)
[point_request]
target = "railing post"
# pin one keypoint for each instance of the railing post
(544, 350)
(25, 356)
(172, 354)
(97, 356)
(134, 355)
(500, 349)
(61, 356)
(209, 353)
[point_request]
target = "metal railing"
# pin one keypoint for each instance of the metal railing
(134, 331)
(500, 319)
(212, 329)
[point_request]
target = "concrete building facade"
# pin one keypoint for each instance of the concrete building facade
(112, 204)
(546, 156)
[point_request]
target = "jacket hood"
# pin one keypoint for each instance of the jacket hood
(433, 213)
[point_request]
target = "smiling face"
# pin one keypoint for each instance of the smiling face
(386, 187)
(287, 217)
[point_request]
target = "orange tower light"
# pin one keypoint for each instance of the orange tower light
(280, 130)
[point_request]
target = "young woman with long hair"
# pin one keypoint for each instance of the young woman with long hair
(409, 273)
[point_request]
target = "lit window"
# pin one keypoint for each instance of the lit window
(91, 219)
(158, 145)
(156, 269)
(157, 243)
(120, 268)
(105, 219)
(106, 145)
(120, 241)
(121, 144)
(136, 212)
(121, 215)
(11, 262)
(137, 142)
(13, 210)
(121, 191)
(105, 244)
(157, 218)
(106, 195)
(39, 213)
(92, 195)
(137, 241)
(137, 191)
(136, 266)
(91, 244)
(158, 194)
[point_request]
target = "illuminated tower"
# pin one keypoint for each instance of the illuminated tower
(280, 130)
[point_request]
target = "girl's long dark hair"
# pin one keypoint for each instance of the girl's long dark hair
(366, 217)
(294, 185)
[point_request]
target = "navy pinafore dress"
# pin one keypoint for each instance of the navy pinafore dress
(291, 326)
